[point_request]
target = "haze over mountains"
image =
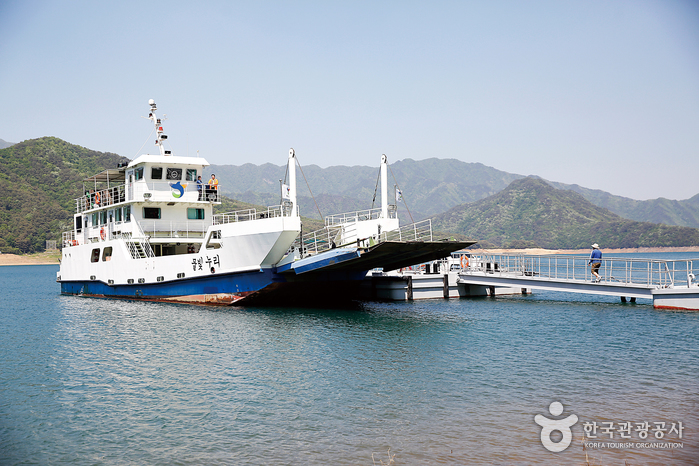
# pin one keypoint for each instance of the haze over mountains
(40, 178)
(429, 187)
(4, 144)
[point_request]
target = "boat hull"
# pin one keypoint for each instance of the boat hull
(263, 287)
(213, 289)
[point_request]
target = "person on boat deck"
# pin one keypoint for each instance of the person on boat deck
(213, 182)
(595, 262)
(200, 186)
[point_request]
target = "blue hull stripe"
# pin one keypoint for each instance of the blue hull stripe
(236, 283)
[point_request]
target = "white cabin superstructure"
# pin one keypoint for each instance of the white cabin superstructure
(152, 222)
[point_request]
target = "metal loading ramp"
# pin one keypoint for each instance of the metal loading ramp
(388, 255)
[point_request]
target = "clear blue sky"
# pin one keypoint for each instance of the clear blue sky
(599, 93)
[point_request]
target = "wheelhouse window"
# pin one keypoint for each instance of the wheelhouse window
(117, 215)
(94, 219)
(191, 174)
(95, 257)
(107, 254)
(127, 213)
(156, 173)
(151, 212)
(138, 173)
(174, 173)
(103, 217)
(195, 214)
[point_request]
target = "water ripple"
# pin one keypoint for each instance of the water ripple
(89, 381)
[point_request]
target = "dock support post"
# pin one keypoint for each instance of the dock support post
(492, 291)
(446, 286)
(409, 293)
(623, 299)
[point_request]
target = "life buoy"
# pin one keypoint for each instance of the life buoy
(75, 242)
(103, 234)
(98, 198)
(464, 261)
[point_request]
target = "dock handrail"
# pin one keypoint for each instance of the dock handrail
(617, 270)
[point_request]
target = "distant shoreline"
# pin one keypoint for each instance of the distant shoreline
(53, 259)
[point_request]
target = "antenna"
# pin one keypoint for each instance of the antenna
(158, 127)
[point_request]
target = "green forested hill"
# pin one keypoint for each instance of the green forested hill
(531, 213)
(39, 180)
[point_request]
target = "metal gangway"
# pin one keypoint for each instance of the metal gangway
(669, 283)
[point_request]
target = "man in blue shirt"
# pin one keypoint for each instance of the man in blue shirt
(595, 262)
(200, 185)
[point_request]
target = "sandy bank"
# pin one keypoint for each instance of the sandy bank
(34, 259)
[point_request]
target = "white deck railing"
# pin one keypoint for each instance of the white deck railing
(419, 231)
(358, 216)
(253, 214)
(168, 229)
(68, 238)
(330, 236)
(149, 191)
(101, 198)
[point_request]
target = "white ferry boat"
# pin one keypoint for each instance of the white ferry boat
(147, 230)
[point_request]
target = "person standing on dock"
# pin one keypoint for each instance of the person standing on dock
(595, 262)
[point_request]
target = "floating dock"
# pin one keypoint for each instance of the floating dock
(671, 284)
(434, 280)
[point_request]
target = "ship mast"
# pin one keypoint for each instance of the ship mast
(384, 186)
(158, 128)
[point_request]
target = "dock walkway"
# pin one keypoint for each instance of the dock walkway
(671, 284)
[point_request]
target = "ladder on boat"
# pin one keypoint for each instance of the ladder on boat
(140, 249)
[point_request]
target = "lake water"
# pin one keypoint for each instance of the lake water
(90, 381)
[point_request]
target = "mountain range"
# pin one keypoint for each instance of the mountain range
(40, 178)
(429, 187)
